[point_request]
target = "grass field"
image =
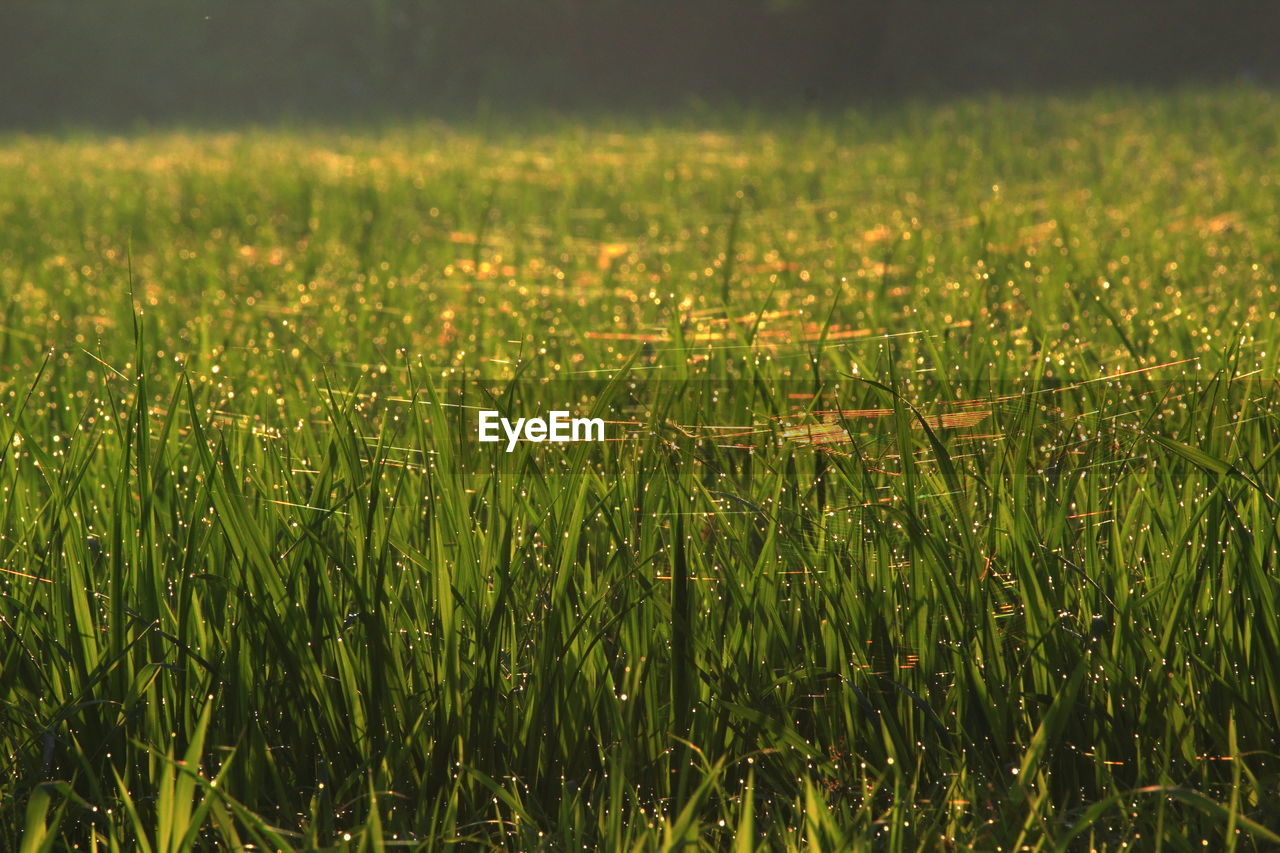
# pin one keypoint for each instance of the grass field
(938, 510)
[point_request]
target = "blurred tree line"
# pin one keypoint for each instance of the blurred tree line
(119, 61)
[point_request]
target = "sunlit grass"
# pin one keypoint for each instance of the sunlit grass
(939, 506)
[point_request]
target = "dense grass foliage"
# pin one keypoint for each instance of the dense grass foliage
(938, 511)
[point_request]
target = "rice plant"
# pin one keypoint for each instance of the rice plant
(937, 506)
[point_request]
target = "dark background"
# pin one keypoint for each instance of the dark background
(115, 63)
